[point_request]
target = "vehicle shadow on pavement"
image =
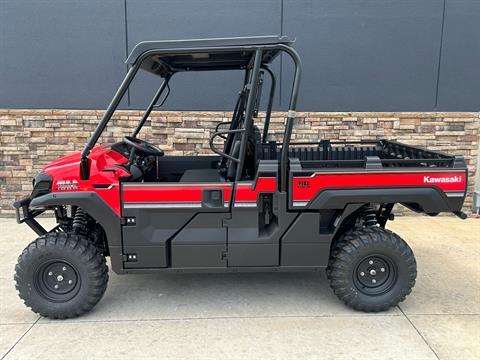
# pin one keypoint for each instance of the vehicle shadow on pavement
(181, 296)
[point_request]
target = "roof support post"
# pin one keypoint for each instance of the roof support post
(150, 106)
(290, 116)
(84, 163)
(249, 111)
(270, 103)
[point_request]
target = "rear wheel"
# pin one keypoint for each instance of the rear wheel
(372, 269)
(61, 275)
(334, 251)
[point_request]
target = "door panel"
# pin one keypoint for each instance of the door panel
(246, 246)
(255, 226)
(175, 224)
(201, 243)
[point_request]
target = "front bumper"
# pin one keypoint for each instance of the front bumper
(27, 216)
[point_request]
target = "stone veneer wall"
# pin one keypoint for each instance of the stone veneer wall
(30, 139)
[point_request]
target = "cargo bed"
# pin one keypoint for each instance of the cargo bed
(358, 154)
(333, 174)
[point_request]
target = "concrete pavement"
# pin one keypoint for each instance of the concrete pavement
(261, 316)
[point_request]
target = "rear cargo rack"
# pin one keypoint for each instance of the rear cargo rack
(354, 154)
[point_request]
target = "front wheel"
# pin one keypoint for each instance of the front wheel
(372, 270)
(61, 275)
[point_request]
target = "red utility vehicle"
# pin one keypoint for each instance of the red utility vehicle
(254, 205)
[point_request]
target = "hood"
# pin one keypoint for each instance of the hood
(72, 161)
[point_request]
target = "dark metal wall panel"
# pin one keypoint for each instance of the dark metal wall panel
(60, 54)
(358, 54)
(174, 19)
(365, 55)
(459, 82)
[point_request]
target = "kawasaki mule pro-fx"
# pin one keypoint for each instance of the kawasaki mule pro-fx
(253, 205)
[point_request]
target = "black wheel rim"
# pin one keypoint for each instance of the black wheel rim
(375, 274)
(57, 281)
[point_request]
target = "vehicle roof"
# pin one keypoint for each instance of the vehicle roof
(204, 54)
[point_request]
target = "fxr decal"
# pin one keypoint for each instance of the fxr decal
(303, 184)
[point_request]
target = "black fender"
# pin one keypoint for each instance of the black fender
(428, 199)
(96, 208)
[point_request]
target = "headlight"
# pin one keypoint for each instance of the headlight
(42, 184)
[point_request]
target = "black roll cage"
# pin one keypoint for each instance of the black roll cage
(251, 85)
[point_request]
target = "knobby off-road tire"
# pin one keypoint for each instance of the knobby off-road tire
(334, 251)
(372, 269)
(61, 275)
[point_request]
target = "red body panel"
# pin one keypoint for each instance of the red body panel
(102, 172)
(305, 188)
(248, 192)
(171, 192)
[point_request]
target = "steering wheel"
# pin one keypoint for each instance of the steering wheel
(143, 147)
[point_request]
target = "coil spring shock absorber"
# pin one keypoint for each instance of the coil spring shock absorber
(369, 216)
(79, 224)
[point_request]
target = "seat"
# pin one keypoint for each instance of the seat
(201, 175)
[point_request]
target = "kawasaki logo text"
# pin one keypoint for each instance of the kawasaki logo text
(441, 180)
